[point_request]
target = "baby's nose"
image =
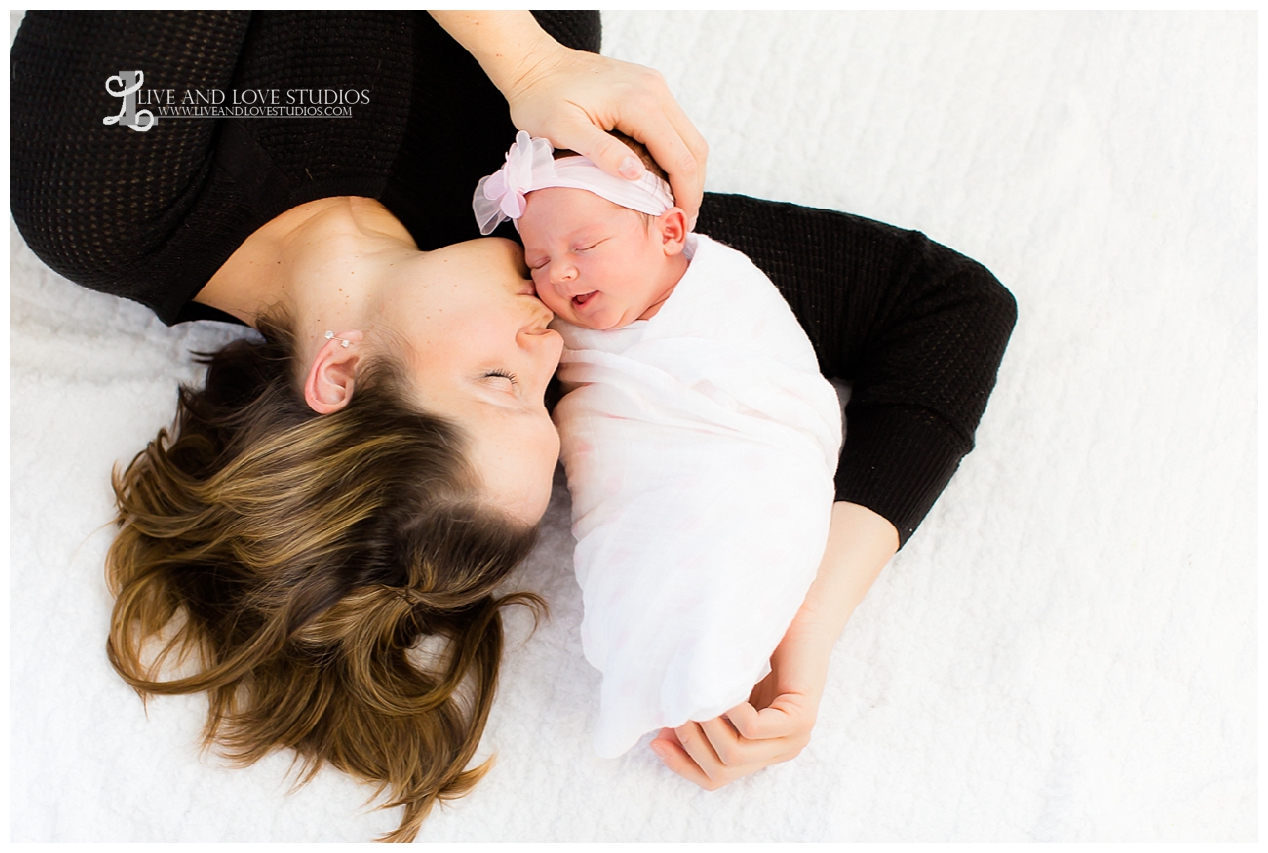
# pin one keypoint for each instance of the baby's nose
(562, 272)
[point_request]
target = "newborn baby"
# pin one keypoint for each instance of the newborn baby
(698, 437)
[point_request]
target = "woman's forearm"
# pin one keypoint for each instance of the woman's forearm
(508, 45)
(777, 722)
(860, 543)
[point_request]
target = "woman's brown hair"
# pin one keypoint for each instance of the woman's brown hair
(295, 559)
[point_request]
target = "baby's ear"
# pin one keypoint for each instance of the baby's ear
(672, 227)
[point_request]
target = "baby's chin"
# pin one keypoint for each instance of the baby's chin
(569, 313)
(582, 322)
(600, 322)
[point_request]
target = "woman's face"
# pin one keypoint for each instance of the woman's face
(481, 355)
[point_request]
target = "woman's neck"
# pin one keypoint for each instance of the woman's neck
(306, 262)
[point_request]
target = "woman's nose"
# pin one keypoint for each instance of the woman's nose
(545, 347)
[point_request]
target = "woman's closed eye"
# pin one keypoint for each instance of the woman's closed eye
(511, 377)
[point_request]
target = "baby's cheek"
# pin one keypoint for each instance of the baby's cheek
(546, 293)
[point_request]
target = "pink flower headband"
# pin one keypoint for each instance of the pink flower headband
(530, 166)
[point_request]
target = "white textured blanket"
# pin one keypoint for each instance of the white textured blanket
(699, 447)
(1065, 650)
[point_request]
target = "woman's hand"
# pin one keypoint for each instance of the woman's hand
(775, 724)
(573, 98)
(772, 727)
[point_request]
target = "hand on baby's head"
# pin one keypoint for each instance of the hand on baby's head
(597, 264)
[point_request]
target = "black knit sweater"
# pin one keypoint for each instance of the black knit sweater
(918, 329)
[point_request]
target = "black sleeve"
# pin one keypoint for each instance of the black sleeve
(152, 215)
(917, 328)
(96, 202)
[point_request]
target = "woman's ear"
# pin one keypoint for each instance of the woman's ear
(672, 226)
(332, 376)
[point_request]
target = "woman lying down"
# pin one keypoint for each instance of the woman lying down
(362, 424)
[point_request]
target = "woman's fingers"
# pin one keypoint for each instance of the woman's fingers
(686, 752)
(731, 749)
(716, 752)
(700, 751)
(688, 183)
(666, 746)
(774, 721)
(605, 150)
(747, 721)
(745, 754)
(655, 119)
(675, 156)
(713, 754)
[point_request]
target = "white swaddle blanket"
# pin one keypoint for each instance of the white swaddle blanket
(700, 448)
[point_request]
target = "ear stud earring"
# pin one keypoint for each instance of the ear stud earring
(343, 342)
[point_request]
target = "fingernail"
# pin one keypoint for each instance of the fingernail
(631, 168)
(658, 749)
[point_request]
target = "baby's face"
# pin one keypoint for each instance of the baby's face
(595, 264)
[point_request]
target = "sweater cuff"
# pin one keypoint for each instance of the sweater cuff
(896, 461)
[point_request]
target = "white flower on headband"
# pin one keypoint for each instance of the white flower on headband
(530, 165)
(500, 196)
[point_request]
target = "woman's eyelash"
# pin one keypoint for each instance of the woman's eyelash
(504, 375)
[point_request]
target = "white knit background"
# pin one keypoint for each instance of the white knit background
(1066, 650)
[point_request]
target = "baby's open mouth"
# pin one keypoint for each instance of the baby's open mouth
(583, 298)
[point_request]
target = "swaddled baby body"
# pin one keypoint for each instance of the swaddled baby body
(698, 436)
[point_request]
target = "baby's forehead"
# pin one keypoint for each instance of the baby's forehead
(561, 210)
